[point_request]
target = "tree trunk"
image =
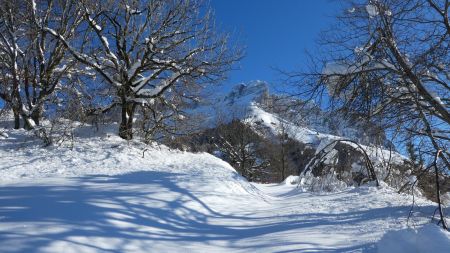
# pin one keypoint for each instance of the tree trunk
(438, 192)
(16, 119)
(28, 123)
(439, 199)
(283, 164)
(126, 124)
(36, 115)
(31, 121)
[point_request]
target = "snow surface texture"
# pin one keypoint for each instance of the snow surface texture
(424, 240)
(103, 196)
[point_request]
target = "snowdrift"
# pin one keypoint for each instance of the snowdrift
(104, 153)
(429, 238)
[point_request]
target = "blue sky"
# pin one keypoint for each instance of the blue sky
(274, 32)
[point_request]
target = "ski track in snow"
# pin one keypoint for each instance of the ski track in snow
(102, 196)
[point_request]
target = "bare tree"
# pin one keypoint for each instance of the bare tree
(33, 64)
(281, 149)
(387, 61)
(241, 146)
(283, 139)
(146, 49)
(11, 21)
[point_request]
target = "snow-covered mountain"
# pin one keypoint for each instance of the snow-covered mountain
(222, 107)
(245, 94)
(254, 100)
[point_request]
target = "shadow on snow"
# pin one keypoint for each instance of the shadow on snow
(119, 207)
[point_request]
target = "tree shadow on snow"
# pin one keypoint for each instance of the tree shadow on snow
(145, 206)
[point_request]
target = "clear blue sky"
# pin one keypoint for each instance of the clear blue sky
(274, 32)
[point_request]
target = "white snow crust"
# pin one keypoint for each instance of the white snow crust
(99, 194)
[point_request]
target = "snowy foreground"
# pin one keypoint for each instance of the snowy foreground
(103, 196)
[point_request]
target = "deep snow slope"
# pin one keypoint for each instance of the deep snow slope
(102, 195)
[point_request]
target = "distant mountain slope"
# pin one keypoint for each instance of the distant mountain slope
(248, 99)
(223, 107)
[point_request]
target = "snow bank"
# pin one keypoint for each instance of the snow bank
(429, 238)
(291, 180)
(104, 153)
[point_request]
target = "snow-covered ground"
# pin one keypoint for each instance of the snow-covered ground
(102, 195)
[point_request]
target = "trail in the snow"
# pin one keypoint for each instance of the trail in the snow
(162, 212)
(105, 195)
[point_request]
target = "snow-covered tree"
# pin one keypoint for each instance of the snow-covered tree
(388, 60)
(33, 64)
(145, 50)
(10, 21)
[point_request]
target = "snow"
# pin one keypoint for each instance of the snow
(272, 122)
(426, 239)
(309, 136)
(235, 104)
(372, 10)
(352, 220)
(291, 180)
(104, 194)
(132, 70)
(327, 183)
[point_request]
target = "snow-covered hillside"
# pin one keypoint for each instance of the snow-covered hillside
(222, 107)
(104, 194)
(246, 101)
(107, 154)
